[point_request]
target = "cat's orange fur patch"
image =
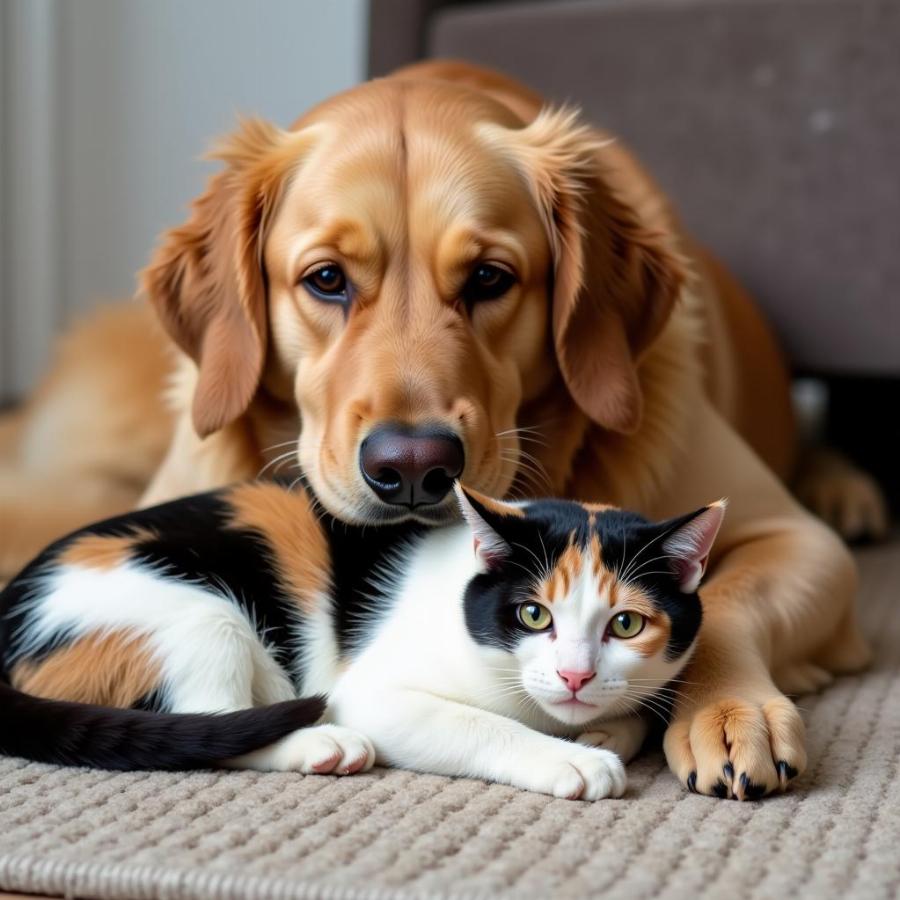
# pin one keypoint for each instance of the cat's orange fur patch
(114, 669)
(594, 509)
(609, 587)
(98, 551)
(595, 552)
(653, 639)
(658, 627)
(562, 576)
(288, 524)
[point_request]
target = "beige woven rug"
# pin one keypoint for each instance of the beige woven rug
(396, 835)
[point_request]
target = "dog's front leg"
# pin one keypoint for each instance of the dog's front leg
(782, 599)
(779, 611)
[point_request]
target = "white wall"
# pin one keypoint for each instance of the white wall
(106, 107)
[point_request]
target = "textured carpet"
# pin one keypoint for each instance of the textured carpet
(395, 834)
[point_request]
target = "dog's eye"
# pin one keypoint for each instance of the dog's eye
(328, 282)
(487, 282)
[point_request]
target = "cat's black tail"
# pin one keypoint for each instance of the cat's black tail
(78, 734)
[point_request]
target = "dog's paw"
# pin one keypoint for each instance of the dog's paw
(844, 496)
(320, 750)
(735, 748)
(576, 772)
(623, 737)
(802, 678)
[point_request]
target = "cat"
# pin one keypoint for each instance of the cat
(523, 645)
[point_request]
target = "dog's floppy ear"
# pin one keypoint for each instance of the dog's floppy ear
(615, 281)
(206, 279)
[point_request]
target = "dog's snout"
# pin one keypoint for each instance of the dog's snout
(411, 466)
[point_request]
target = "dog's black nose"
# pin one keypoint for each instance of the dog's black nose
(408, 466)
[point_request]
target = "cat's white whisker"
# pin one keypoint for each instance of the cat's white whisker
(531, 552)
(649, 544)
(635, 573)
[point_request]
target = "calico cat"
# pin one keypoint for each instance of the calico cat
(519, 646)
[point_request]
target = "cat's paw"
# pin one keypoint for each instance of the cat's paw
(577, 773)
(320, 750)
(737, 748)
(624, 737)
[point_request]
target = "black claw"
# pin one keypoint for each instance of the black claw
(786, 772)
(728, 769)
(720, 789)
(692, 782)
(750, 790)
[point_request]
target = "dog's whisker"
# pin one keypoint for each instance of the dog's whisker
(278, 462)
(272, 447)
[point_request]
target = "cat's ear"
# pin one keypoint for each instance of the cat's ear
(689, 543)
(487, 519)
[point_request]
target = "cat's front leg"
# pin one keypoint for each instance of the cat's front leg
(624, 736)
(420, 731)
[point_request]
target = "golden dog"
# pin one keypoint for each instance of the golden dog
(436, 275)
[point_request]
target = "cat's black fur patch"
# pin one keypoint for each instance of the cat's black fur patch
(197, 544)
(194, 544)
(633, 546)
(358, 555)
(14, 608)
(536, 541)
(629, 545)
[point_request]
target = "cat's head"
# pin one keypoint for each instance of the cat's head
(597, 606)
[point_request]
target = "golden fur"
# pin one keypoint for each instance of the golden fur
(645, 378)
(89, 438)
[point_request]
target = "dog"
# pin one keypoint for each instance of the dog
(436, 275)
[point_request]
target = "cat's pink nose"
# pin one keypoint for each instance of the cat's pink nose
(575, 681)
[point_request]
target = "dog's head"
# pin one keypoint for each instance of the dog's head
(412, 266)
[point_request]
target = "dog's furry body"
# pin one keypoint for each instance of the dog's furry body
(651, 382)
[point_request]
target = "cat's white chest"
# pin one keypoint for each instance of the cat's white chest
(422, 642)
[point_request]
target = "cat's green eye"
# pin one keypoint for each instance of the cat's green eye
(534, 616)
(627, 625)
